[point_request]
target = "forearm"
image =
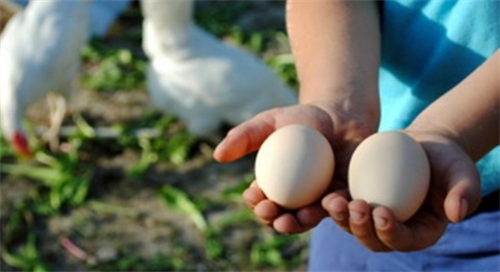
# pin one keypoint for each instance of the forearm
(469, 113)
(336, 45)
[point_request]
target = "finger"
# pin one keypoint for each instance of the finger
(267, 211)
(464, 193)
(245, 138)
(362, 226)
(336, 205)
(310, 216)
(418, 233)
(288, 224)
(253, 195)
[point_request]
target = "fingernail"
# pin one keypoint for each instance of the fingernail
(339, 216)
(221, 143)
(217, 150)
(380, 222)
(356, 216)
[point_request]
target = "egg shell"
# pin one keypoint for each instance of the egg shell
(390, 169)
(294, 166)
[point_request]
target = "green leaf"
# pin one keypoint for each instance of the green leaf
(237, 190)
(5, 148)
(13, 260)
(180, 202)
(40, 267)
(48, 160)
(48, 176)
(84, 127)
(178, 146)
(30, 250)
(213, 247)
(256, 43)
(28, 257)
(106, 208)
(270, 251)
(114, 69)
(81, 189)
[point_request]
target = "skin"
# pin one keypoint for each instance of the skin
(344, 105)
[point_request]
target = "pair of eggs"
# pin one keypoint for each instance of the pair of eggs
(294, 168)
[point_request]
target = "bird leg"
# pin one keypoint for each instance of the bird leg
(57, 110)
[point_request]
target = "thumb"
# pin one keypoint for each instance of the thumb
(245, 138)
(464, 192)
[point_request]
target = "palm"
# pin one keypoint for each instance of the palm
(454, 179)
(344, 132)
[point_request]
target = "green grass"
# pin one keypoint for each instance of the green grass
(62, 183)
(111, 69)
(218, 18)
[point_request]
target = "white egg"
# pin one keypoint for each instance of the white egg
(390, 169)
(294, 166)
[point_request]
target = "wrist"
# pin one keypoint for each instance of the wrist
(352, 103)
(348, 118)
(475, 140)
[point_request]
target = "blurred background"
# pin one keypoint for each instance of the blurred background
(130, 188)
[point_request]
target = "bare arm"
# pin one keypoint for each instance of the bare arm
(336, 45)
(469, 113)
(455, 130)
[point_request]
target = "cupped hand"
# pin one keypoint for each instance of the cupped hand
(343, 130)
(454, 193)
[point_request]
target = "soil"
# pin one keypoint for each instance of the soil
(7, 10)
(123, 218)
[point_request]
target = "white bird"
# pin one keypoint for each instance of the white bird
(102, 13)
(200, 79)
(40, 54)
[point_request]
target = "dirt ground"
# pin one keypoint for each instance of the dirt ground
(7, 9)
(125, 220)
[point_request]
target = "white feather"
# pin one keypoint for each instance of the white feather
(39, 53)
(200, 79)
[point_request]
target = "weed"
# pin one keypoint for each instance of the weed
(110, 69)
(179, 201)
(61, 181)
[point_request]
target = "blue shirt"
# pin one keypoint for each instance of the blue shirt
(427, 48)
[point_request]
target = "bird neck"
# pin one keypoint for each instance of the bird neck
(168, 15)
(60, 7)
(11, 118)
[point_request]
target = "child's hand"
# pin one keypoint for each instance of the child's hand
(344, 132)
(284, 221)
(454, 193)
